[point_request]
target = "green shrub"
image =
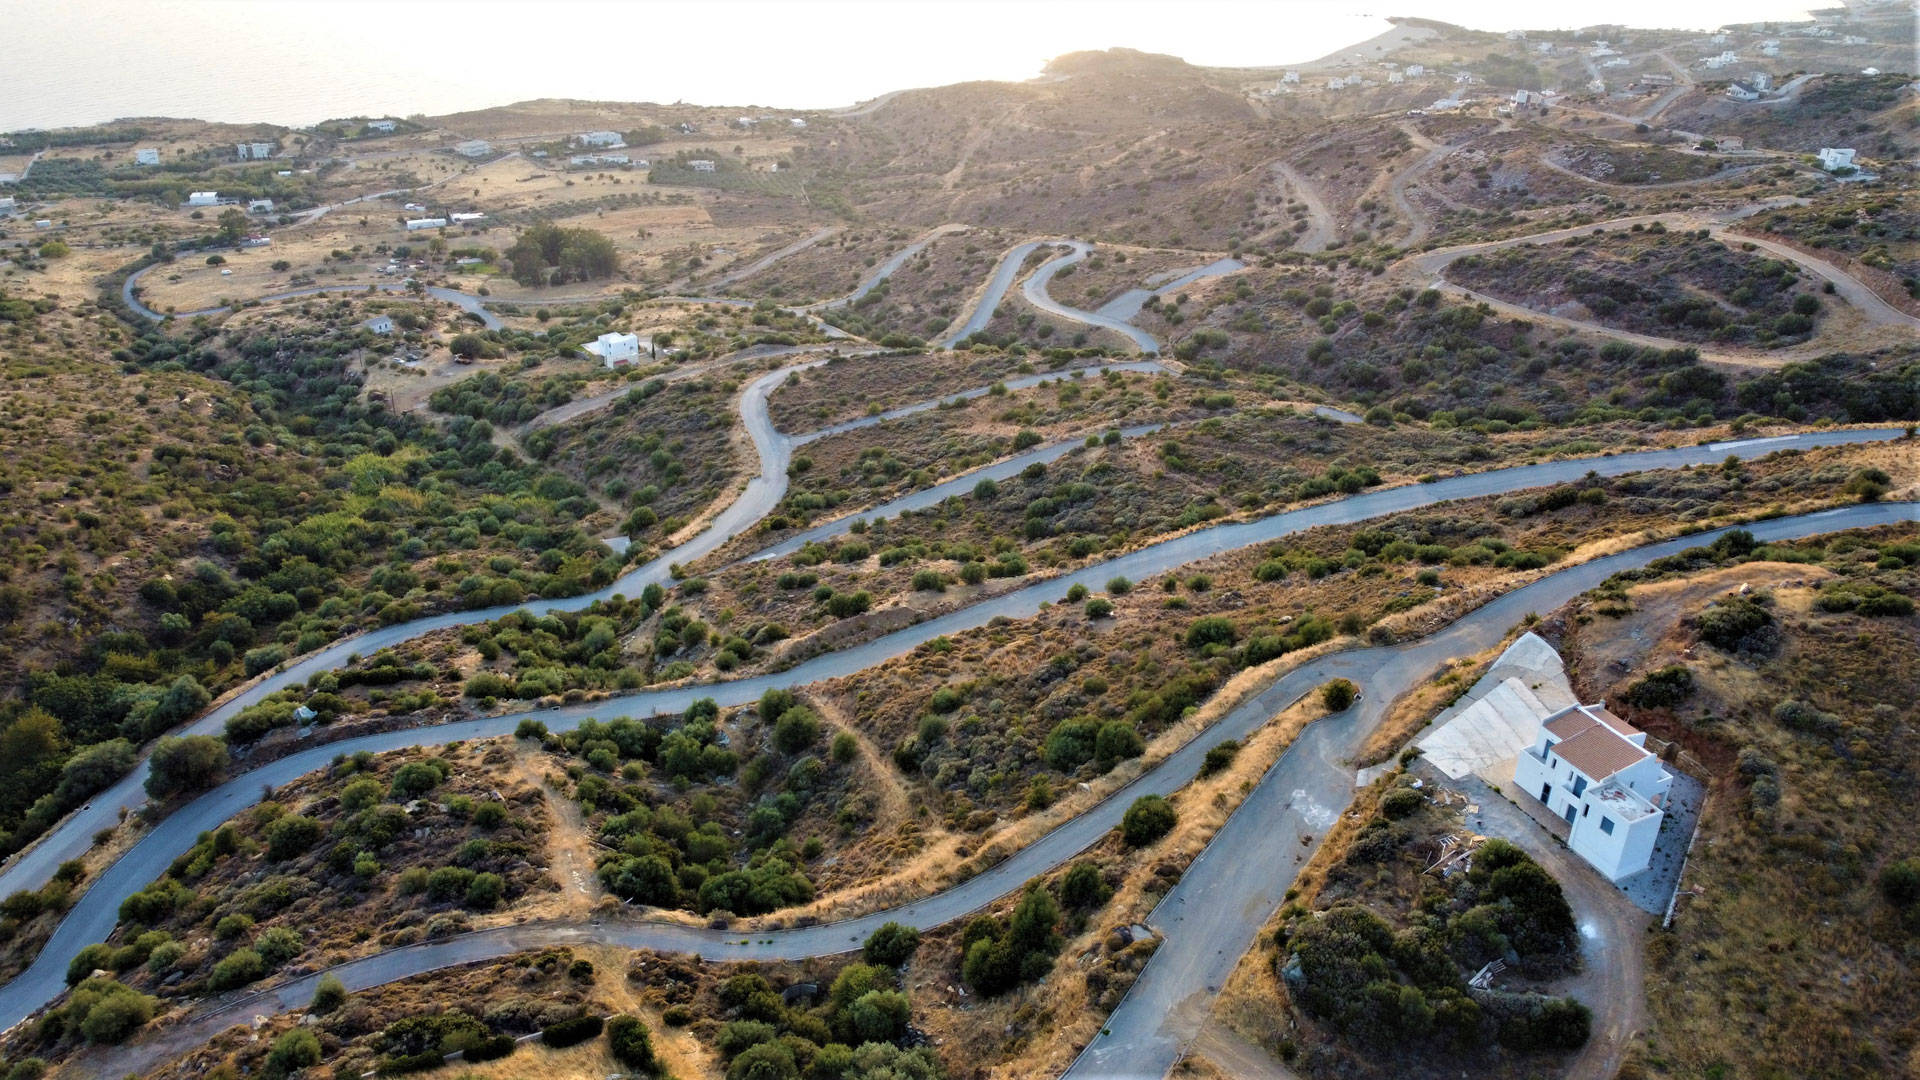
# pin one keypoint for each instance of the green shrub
(891, 945)
(1900, 882)
(571, 1032)
(1339, 695)
(236, 969)
(329, 995)
(295, 1050)
(1219, 756)
(1148, 819)
(630, 1042)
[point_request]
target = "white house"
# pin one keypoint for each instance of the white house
(1833, 159)
(1544, 47)
(462, 219)
(601, 138)
(1618, 61)
(1594, 769)
(615, 350)
(747, 122)
(1290, 77)
(1760, 81)
(6, 204)
(1740, 91)
(1598, 86)
(1870, 71)
(700, 165)
(1336, 84)
(600, 159)
(259, 206)
(416, 224)
(203, 198)
(379, 324)
(1770, 48)
(146, 156)
(257, 240)
(1414, 71)
(1395, 77)
(385, 127)
(796, 122)
(474, 148)
(258, 151)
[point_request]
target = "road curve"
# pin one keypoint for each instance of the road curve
(1210, 919)
(886, 269)
(997, 285)
(94, 915)
(1231, 890)
(1035, 290)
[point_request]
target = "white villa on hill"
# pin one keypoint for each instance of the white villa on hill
(615, 350)
(1834, 159)
(1593, 768)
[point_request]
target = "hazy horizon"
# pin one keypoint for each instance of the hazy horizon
(296, 62)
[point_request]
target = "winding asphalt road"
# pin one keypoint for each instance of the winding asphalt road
(1207, 921)
(886, 269)
(1210, 919)
(93, 917)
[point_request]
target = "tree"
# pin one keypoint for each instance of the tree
(549, 254)
(92, 769)
(1900, 882)
(879, 1016)
(797, 729)
(1083, 887)
(468, 346)
(233, 224)
(1148, 819)
(630, 1042)
(1338, 695)
(292, 835)
(185, 764)
(891, 945)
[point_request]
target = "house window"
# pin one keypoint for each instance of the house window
(1579, 785)
(1606, 824)
(1587, 809)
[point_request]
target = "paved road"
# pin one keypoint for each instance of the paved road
(887, 268)
(1210, 919)
(1035, 290)
(94, 915)
(1128, 304)
(1207, 921)
(997, 285)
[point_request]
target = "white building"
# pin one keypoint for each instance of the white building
(1769, 48)
(253, 151)
(747, 122)
(385, 127)
(1336, 84)
(700, 165)
(379, 324)
(1544, 47)
(146, 156)
(259, 206)
(1594, 769)
(1395, 77)
(416, 224)
(1414, 71)
(6, 204)
(1833, 159)
(1598, 86)
(600, 159)
(601, 138)
(1290, 77)
(474, 148)
(1618, 61)
(462, 219)
(615, 350)
(796, 122)
(256, 241)
(203, 198)
(1726, 57)
(1740, 91)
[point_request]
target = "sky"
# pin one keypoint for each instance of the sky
(300, 61)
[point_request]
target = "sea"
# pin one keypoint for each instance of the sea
(297, 62)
